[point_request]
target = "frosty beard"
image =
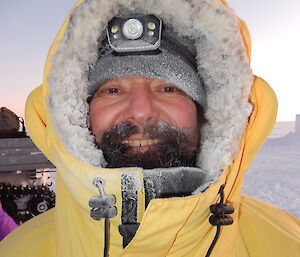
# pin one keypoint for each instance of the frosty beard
(176, 147)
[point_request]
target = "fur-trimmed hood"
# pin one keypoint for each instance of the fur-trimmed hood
(223, 65)
(241, 112)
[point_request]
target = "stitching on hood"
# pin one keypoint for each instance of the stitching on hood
(223, 66)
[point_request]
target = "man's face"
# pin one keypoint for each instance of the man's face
(136, 115)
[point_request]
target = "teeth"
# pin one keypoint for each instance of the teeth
(134, 143)
(143, 142)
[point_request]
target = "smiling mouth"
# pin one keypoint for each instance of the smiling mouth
(142, 142)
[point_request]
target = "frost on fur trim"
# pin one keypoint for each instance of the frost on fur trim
(223, 66)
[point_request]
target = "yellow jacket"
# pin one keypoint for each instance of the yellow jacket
(168, 227)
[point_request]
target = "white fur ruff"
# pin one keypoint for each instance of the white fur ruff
(222, 63)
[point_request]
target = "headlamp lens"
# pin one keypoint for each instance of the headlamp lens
(133, 29)
(114, 29)
(151, 26)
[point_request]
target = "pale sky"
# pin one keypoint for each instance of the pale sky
(28, 29)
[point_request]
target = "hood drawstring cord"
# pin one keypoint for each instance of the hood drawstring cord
(103, 207)
(220, 217)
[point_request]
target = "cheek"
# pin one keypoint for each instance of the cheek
(102, 118)
(183, 113)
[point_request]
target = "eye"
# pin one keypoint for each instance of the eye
(169, 89)
(109, 90)
(112, 91)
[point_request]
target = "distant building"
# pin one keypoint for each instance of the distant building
(297, 125)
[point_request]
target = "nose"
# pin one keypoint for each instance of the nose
(141, 108)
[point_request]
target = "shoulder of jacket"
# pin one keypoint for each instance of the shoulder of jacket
(33, 238)
(267, 230)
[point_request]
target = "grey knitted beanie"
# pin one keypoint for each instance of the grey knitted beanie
(173, 62)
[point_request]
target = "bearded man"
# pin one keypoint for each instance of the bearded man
(151, 114)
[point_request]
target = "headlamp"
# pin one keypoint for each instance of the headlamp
(134, 33)
(133, 29)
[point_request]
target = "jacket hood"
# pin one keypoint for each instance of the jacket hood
(241, 112)
(223, 65)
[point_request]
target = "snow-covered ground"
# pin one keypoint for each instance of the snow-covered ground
(274, 175)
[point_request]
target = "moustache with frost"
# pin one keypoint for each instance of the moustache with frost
(176, 146)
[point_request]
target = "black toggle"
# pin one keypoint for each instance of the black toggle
(223, 220)
(220, 218)
(219, 209)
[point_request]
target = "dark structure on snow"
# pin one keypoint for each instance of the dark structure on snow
(24, 171)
